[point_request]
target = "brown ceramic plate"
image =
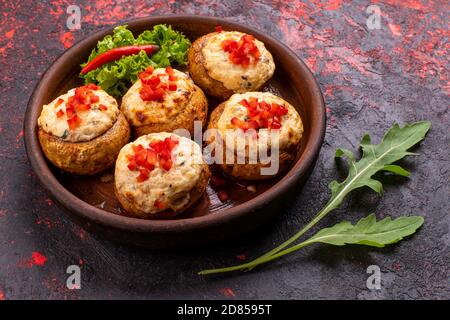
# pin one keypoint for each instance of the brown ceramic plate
(91, 200)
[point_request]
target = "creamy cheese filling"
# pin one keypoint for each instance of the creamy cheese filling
(94, 122)
(171, 187)
(233, 76)
(288, 135)
(139, 112)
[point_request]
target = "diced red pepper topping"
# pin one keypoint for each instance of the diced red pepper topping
(79, 102)
(143, 175)
(92, 86)
(103, 107)
(239, 52)
(82, 107)
(74, 122)
(170, 71)
(60, 113)
(160, 204)
(58, 103)
(153, 89)
(218, 29)
(260, 115)
(144, 159)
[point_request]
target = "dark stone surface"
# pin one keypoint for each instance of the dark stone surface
(370, 79)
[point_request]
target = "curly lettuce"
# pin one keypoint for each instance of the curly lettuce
(117, 76)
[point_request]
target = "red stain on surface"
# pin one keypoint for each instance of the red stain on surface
(227, 292)
(332, 66)
(410, 4)
(46, 221)
(37, 259)
(56, 12)
(82, 234)
(311, 61)
(19, 136)
(332, 4)
(67, 39)
(395, 29)
(9, 34)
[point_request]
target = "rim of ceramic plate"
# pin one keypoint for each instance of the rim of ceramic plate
(97, 215)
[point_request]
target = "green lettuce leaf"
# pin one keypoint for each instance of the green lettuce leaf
(117, 76)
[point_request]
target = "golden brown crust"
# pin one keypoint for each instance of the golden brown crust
(194, 194)
(248, 171)
(90, 157)
(196, 109)
(198, 72)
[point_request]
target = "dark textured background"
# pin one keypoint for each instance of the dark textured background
(370, 78)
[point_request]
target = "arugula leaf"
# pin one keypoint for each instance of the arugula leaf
(368, 231)
(116, 77)
(375, 157)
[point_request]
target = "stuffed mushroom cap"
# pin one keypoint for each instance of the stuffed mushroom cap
(227, 62)
(234, 76)
(290, 128)
(71, 123)
(82, 131)
(255, 127)
(164, 99)
(159, 175)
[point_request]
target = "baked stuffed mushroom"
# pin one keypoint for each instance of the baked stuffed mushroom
(82, 131)
(160, 175)
(227, 62)
(260, 131)
(164, 99)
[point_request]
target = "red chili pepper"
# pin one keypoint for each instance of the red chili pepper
(116, 54)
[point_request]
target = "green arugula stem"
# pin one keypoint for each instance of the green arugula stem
(276, 252)
(292, 239)
(261, 260)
